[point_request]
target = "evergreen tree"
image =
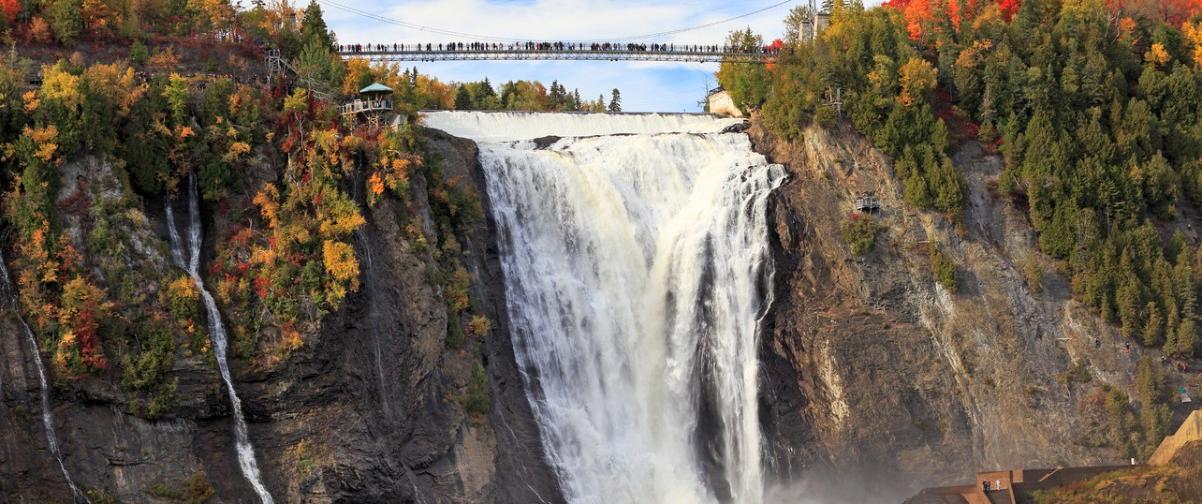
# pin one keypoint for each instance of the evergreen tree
(463, 99)
(313, 27)
(575, 103)
(615, 103)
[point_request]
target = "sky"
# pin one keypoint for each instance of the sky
(645, 86)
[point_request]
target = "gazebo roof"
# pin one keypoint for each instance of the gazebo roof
(376, 87)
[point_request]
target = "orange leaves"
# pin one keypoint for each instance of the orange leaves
(1157, 54)
(376, 184)
(31, 101)
(44, 139)
(268, 203)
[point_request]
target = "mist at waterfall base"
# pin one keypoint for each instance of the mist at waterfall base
(635, 250)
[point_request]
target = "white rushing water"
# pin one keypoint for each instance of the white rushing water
(502, 126)
(637, 271)
(47, 415)
(246, 452)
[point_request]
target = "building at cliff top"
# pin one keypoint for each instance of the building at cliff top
(1017, 485)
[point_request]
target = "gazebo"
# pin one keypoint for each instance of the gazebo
(373, 100)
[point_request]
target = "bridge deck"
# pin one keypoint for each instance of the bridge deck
(559, 55)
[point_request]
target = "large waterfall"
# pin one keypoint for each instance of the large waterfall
(191, 263)
(635, 249)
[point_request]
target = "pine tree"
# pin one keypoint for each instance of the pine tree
(463, 99)
(615, 103)
(313, 27)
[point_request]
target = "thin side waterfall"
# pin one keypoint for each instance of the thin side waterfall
(246, 452)
(373, 312)
(47, 415)
(637, 271)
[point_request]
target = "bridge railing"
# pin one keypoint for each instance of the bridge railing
(414, 52)
(358, 106)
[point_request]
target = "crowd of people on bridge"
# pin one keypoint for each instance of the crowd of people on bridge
(480, 47)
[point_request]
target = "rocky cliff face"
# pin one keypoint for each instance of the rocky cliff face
(878, 373)
(369, 411)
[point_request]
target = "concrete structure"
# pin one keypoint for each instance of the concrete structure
(1189, 432)
(1005, 487)
(721, 104)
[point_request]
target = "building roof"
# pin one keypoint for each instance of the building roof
(376, 87)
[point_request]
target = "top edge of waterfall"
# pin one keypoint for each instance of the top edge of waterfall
(503, 126)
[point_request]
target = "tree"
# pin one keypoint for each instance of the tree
(615, 102)
(313, 27)
(10, 9)
(66, 19)
(917, 78)
(463, 99)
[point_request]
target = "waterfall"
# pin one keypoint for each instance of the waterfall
(10, 299)
(635, 251)
(246, 453)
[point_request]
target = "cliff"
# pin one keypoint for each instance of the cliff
(877, 374)
(369, 410)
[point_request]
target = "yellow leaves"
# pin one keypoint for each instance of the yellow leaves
(115, 82)
(1193, 32)
(60, 85)
(236, 151)
(918, 78)
(1157, 54)
(342, 218)
(268, 202)
(1127, 27)
(183, 288)
(326, 140)
(339, 260)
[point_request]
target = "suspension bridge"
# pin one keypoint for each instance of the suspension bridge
(557, 51)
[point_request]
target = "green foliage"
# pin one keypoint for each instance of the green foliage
(478, 401)
(615, 101)
(463, 99)
(748, 85)
(138, 54)
(314, 30)
(859, 231)
(66, 19)
(1033, 272)
(943, 269)
(194, 490)
(886, 91)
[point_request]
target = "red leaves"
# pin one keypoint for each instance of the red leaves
(10, 9)
(1009, 8)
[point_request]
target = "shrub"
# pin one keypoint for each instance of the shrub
(478, 401)
(859, 231)
(943, 269)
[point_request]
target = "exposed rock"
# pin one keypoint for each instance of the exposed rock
(366, 412)
(873, 369)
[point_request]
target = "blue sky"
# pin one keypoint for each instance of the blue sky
(664, 87)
